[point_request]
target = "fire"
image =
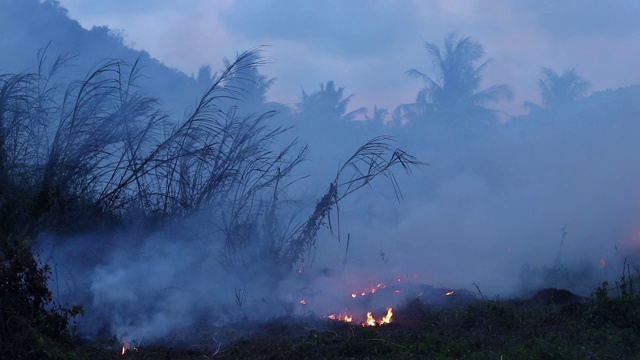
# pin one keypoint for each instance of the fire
(126, 347)
(345, 318)
(387, 318)
(370, 320)
(371, 290)
(450, 293)
(303, 302)
(384, 320)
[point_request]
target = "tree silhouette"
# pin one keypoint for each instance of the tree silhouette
(560, 89)
(328, 102)
(252, 85)
(379, 115)
(454, 89)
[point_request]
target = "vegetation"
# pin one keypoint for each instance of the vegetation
(551, 324)
(99, 153)
(34, 325)
(560, 89)
(454, 91)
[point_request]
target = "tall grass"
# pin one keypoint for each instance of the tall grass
(97, 152)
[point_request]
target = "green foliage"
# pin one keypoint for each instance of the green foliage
(34, 325)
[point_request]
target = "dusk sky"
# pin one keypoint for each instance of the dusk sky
(367, 45)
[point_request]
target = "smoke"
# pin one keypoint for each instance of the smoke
(539, 203)
(549, 199)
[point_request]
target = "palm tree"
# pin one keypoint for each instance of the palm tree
(454, 89)
(558, 90)
(328, 102)
(251, 86)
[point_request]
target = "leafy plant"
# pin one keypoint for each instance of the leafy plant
(34, 325)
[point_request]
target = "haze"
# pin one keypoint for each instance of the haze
(532, 162)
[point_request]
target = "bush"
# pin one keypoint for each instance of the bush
(33, 325)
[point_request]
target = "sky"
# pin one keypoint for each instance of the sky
(367, 45)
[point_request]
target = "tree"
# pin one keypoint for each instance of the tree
(252, 85)
(454, 89)
(560, 89)
(328, 102)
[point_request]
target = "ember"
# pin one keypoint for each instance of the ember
(345, 318)
(450, 293)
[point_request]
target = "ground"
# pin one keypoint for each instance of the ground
(552, 324)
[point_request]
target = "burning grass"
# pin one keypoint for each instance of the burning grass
(544, 326)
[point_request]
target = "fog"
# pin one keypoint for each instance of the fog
(512, 197)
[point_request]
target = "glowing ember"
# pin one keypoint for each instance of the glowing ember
(345, 318)
(124, 349)
(370, 290)
(303, 302)
(450, 293)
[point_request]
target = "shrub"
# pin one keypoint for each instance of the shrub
(33, 325)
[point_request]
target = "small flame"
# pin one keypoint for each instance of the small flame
(387, 318)
(370, 320)
(450, 293)
(303, 302)
(354, 295)
(372, 290)
(345, 318)
(124, 349)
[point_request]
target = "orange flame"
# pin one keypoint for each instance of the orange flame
(450, 293)
(124, 349)
(384, 320)
(370, 320)
(371, 290)
(387, 318)
(303, 302)
(345, 318)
